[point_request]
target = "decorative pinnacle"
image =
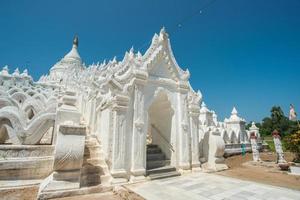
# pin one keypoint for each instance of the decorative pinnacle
(114, 59)
(5, 68)
(75, 41)
(17, 72)
(139, 55)
(163, 30)
(199, 93)
(234, 111)
(163, 34)
(131, 50)
(25, 72)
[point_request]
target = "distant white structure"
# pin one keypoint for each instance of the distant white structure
(128, 118)
(292, 115)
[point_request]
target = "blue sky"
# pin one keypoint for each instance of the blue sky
(239, 52)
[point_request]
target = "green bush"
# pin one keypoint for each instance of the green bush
(271, 145)
(292, 143)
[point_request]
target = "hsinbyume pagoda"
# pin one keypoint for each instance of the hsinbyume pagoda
(111, 123)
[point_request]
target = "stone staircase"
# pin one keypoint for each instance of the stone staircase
(157, 165)
(94, 168)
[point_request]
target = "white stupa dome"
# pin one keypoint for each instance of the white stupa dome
(70, 62)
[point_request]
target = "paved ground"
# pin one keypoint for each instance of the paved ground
(96, 196)
(198, 186)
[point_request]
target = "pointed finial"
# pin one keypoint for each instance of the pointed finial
(253, 126)
(155, 38)
(4, 70)
(234, 111)
(25, 72)
(203, 104)
(163, 30)
(131, 50)
(75, 41)
(199, 93)
(163, 34)
(131, 54)
(16, 72)
(139, 55)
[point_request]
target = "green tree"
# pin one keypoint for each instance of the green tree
(266, 126)
(278, 121)
(292, 142)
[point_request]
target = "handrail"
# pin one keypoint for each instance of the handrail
(164, 139)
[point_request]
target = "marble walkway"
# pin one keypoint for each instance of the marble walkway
(198, 186)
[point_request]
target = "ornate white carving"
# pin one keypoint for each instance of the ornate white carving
(113, 99)
(254, 147)
(26, 111)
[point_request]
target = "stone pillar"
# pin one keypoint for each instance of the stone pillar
(138, 143)
(67, 113)
(194, 112)
(254, 146)
(278, 147)
(118, 167)
(69, 153)
(92, 114)
(69, 147)
(183, 148)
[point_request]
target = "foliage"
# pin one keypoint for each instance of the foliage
(293, 144)
(278, 121)
(289, 130)
(271, 145)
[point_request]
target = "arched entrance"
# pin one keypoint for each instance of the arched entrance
(159, 146)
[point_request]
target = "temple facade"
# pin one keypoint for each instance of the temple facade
(131, 119)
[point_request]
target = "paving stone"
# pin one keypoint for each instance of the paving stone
(194, 186)
(211, 187)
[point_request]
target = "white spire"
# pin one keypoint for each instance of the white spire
(204, 108)
(155, 37)
(73, 54)
(234, 111)
(114, 59)
(139, 55)
(4, 70)
(163, 34)
(162, 30)
(214, 114)
(131, 54)
(131, 50)
(25, 72)
(253, 126)
(234, 115)
(199, 94)
(16, 72)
